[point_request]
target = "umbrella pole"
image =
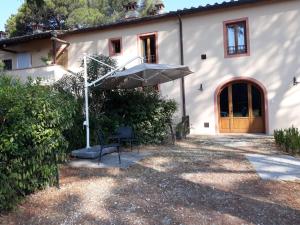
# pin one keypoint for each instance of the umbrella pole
(86, 92)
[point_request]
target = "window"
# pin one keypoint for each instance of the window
(236, 38)
(224, 103)
(7, 64)
(149, 48)
(23, 60)
(115, 46)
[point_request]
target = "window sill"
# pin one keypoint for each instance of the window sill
(237, 55)
(116, 54)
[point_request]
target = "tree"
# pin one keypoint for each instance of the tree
(148, 6)
(67, 14)
(83, 17)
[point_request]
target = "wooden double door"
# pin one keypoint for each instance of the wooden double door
(241, 108)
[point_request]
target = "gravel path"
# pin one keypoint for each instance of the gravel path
(203, 180)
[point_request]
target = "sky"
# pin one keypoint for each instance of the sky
(8, 7)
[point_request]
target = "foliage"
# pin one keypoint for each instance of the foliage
(32, 121)
(1, 67)
(146, 111)
(147, 6)
(67, 14)
(288, 139)
(47, 59)
(84, 17)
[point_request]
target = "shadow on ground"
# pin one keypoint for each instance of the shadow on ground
(203, 180)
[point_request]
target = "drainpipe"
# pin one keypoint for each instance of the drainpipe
(182, 63)
(54, 35)
(61, 50)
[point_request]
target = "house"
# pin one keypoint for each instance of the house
(245, 55)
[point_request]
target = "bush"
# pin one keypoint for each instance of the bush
(289, 139)
(32, 121)
(1, 67)
(146, 111)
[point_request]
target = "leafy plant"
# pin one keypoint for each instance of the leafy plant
(46, 59)
(1, 67)
(179, 130)
(32, 121)
(288, 139)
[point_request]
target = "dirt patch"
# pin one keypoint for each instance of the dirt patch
(203, 180)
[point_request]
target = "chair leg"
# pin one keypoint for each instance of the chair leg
(100, 156)
(118, 149)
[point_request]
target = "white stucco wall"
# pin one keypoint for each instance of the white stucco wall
(275, 45)
(37, 49)
(46, 74)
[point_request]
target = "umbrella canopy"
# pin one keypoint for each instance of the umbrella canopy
(144, 75)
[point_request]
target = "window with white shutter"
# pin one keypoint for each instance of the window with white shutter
(23, 60)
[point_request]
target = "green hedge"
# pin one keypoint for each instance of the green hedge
(288, 139)
(32, 121)
(146, 111)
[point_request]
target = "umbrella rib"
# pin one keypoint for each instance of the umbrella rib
(136, 78)
(164, 75)
(153, 76)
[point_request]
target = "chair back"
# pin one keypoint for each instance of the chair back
(101, 137)
(125, 132)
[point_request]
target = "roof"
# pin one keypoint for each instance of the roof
(182, 12)
(25, 38)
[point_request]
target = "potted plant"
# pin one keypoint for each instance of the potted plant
(47, 60)
(179, 131)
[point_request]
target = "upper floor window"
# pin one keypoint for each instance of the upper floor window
(149, 47)
(7, 64)
(236, 38)
(115, 46)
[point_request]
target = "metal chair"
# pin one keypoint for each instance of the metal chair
(124, 134)
(103, 145)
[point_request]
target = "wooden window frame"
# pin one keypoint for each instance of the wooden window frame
(111, 49)
(225, 38)
(139, 45)
(142, 36)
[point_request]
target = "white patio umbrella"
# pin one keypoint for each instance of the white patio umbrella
(143, 75)
(137, 76)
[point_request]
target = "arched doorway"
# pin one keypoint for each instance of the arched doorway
(241, 107)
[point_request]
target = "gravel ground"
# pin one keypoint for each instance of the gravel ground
(202, 180)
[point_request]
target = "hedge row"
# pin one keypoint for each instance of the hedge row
(288, 139)
(32, 121)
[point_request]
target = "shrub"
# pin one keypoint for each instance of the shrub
(289, 139)
(1, 67)
(146, 111)
(32, 121)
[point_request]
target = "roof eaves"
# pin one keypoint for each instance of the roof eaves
(207, 8)
(25, 38)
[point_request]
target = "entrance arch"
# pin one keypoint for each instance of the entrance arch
(241, 106)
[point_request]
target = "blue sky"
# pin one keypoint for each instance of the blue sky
(9, 7)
